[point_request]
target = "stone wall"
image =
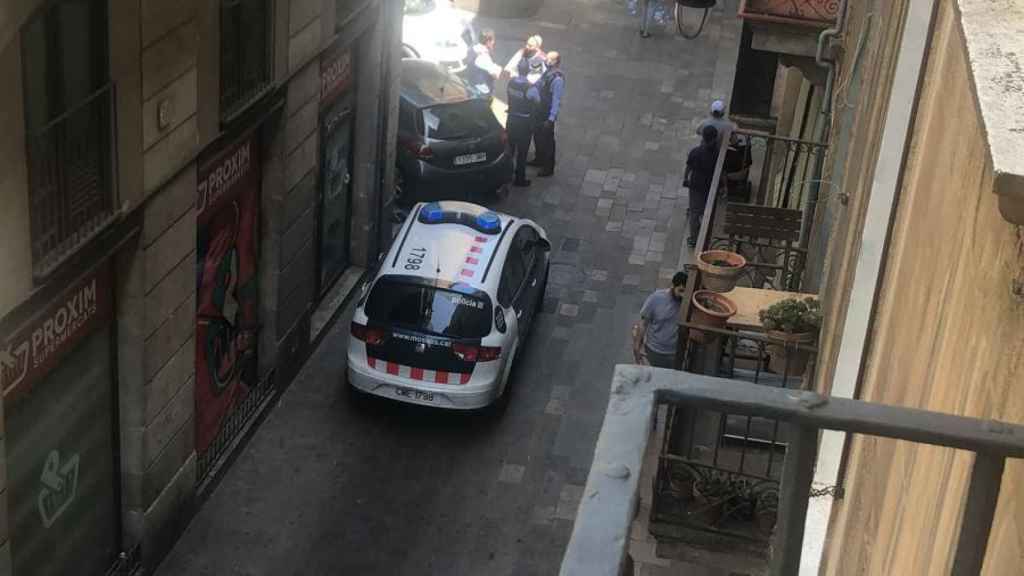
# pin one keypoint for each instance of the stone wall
(948, 336)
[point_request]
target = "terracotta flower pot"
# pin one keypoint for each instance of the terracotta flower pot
(705, 509)
(719, 269)
(785, 358)
(709, 309)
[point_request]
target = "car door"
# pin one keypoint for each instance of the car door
(513, 276)
(534, 259)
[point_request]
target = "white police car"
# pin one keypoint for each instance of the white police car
(443, 318)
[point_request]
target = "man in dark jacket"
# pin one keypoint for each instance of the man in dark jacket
(523, 99)
(552, 85)
(700, 171)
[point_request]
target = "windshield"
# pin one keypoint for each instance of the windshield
(428, 309)
(418, 6)
(470, 119)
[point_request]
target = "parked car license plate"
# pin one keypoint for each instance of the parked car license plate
(470, 158)
(415, 394)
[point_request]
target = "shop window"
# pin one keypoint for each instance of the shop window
(244, 53)
(68, 125)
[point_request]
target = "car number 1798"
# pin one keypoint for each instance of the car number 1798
(415, 394)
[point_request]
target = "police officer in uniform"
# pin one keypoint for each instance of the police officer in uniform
(551, 85)
(523, 100)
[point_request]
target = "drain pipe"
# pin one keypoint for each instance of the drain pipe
(822, 133)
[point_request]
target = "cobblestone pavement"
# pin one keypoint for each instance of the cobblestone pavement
(328, 487)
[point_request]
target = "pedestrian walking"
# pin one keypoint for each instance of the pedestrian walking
(655, 336)
(645, 18)
(700, 171)
(481, 71)
(551, 87)
(533, 53)
(718, 120)
(523, 100)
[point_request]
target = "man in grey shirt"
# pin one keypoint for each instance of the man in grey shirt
(718, 120)
(654, 339)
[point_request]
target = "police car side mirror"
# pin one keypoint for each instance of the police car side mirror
(544, 245)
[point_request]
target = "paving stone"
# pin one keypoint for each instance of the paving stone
(596, 176)
(613, 227)
(630, 280)
(569, 310)
(512, 473)
(560, 333)
(590, 296)
(554, 407)
(569, 501)
(571, 244)
(637, 259)
(599, 275)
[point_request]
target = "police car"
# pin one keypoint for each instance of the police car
(442, 320)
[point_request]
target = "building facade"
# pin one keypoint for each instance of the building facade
(191, 190)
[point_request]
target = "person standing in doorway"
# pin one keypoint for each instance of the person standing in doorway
(551, 87)
(523, 99)
(700, 171)
(482, 72)
(655, 337)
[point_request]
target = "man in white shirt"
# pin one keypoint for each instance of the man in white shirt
(482, 72)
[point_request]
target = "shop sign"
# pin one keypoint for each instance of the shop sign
(221, 177)
(38, 347)
(335, 75)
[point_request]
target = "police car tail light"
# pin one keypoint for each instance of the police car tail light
(372, 336)
(470, 353)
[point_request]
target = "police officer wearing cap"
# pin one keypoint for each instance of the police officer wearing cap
(523, 99)
(552, 85)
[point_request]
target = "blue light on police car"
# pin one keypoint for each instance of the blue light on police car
(432, 213)
(488, 222)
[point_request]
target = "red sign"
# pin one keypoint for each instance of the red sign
(335, 75)
(37, 348)
(223, 176)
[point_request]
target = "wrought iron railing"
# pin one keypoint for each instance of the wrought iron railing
(810, 13)
(782, 166)
(601, 534)
(71, 188)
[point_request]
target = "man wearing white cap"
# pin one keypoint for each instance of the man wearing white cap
(718, 120)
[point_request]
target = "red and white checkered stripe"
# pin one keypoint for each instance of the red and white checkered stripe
(431, 376)
(471, 265)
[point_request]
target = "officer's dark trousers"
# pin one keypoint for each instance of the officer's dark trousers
(520, 131)
(544, 139)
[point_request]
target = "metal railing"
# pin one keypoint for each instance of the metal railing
(784, 167)
(809, 13)
(601, 534)
(71, 189)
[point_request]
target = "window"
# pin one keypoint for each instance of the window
(471, 119)
(428, 309)
(68, 125)
(517, 265)
(244, 53)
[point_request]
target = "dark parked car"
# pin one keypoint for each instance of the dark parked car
(450, 145)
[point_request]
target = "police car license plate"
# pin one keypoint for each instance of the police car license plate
(470, 158)
(417, 395)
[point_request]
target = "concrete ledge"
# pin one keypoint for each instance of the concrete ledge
(502, 8)
(993, 32)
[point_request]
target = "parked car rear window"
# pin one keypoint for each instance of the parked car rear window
(471, 119)
(428, 309)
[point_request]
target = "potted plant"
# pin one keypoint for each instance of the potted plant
(719, 269)
(790, 323)
(711, 492)
(709, 309)
(766, 510)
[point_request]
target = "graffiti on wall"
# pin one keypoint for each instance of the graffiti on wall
(227, 254)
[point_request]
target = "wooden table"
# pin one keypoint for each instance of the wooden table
(750, 301)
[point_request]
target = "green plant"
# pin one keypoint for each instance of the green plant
(792, 316)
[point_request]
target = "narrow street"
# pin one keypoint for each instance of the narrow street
(328, 486)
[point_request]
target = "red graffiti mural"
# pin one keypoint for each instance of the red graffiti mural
(226, 317)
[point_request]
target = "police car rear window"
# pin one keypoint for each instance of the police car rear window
(428, 309)
(470, 119)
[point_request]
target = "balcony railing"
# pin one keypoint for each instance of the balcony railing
(71, 189)
(601, 533)
(810, 13)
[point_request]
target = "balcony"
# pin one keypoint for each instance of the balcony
(805, 13)
(71, 189)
